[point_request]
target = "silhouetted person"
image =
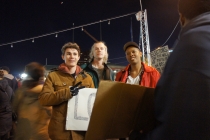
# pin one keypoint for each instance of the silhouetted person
(6, 94)
(10, 78)
(182, 96)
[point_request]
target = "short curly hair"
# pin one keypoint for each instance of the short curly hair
(193, 8)
(70, 45)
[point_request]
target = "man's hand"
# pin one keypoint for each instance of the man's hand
(75, 89)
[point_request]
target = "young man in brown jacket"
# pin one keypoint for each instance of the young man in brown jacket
(56, 92)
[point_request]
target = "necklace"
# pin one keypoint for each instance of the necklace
(141, 72)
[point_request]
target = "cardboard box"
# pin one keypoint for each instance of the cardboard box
(120, 108)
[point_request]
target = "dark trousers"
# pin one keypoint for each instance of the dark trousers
(5, 137)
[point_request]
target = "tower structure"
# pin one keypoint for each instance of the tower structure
(144, 36)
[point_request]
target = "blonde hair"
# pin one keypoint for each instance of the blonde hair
(105, 59)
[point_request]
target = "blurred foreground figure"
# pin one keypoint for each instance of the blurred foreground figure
(33, 118)
(6, 94)
(182, 102)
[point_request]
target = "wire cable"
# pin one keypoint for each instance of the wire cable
(171, 34)
(81, 26)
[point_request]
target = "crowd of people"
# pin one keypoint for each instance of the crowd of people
(36, 108)
(42, 105)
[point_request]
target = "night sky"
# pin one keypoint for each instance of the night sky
(22, 19)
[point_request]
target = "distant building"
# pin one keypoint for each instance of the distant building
(116, 68)
(49, 68)
(84, 58)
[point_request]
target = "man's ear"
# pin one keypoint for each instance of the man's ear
(140, 53)
(62, 57)
(182, 19)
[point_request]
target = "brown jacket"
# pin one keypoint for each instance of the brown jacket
(56, 93)
(33, 118)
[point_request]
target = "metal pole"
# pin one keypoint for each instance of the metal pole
(73, 34)
(100, 32)
(140, 5)
(131, 30)
(142, 36)
(148, 43)
(90, 36)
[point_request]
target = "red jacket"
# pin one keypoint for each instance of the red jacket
(150, 76)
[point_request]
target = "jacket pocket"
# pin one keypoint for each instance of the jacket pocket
(60, 85)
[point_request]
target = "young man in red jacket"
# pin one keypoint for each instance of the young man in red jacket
(137, 72)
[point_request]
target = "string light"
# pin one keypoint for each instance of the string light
(33, 40)
(81, 26)
(109, 22)
(11, 45)
(56, 35)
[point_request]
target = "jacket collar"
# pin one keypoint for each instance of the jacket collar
(146, 68)
(63, 68)
(9, 76)
(91, 67)
(200, 20)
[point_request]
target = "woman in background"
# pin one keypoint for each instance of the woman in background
(33, 118)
